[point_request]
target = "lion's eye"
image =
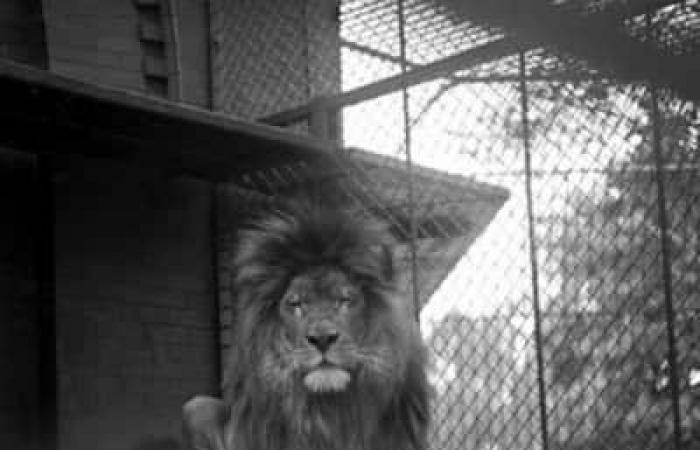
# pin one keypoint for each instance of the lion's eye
(294, 301)
(346, 298)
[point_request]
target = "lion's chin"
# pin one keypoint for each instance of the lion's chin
(327, 379)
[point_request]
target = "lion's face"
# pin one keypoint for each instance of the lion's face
(324, 318)
(326, 355)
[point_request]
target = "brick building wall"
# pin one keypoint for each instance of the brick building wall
(136, 310)
(22, 32)
(192, 34)
(94, 41)
(18, 330)
(137, 317)
(155, 46)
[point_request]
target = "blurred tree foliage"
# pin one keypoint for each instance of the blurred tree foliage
(485, 387)
(605, 340)
(605, 330)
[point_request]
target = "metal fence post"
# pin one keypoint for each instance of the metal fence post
(524, 104)
(665, 256)
(409, 161)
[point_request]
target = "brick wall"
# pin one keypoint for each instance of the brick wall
(235, 207)
(192, 20)
(137, 319)
(137, 45)
(18, 342)
(22, 32)
(94, 41)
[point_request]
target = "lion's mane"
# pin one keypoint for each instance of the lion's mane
(269, 408)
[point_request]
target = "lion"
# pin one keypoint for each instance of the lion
(326, 355)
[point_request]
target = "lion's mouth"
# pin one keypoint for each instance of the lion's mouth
(326, 378)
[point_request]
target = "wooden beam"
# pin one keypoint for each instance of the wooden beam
(44, 113)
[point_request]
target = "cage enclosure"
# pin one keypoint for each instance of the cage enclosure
(537, 162)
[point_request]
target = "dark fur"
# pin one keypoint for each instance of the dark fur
(385, 407)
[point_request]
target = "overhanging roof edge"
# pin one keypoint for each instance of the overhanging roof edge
(77, 110)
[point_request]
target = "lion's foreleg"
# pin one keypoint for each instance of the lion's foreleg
(204, 423)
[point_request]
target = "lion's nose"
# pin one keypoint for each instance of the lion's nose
(322, 341)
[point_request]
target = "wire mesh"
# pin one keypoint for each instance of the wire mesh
(593, 174)
(273, 55)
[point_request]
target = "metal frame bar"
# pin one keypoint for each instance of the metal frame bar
(552, 76)
(665, 254)
(412, 228)
(215, 263)
(445, 67)
(524, 106)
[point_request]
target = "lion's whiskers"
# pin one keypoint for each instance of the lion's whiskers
(379, 361)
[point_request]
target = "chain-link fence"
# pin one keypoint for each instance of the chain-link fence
(539, 163)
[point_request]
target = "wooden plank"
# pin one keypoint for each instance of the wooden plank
(45, 113)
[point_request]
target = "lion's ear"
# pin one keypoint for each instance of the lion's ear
(203, 423)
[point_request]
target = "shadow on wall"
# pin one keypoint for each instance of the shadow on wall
(155, 443)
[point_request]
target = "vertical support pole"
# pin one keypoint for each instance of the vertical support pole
(46, 298)
(214, 246)
(665, 254)
(524, 104)
(319, 121)
(170, 14)
(208, 11)
(412, 232)
(323, 121)
(216, 12)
